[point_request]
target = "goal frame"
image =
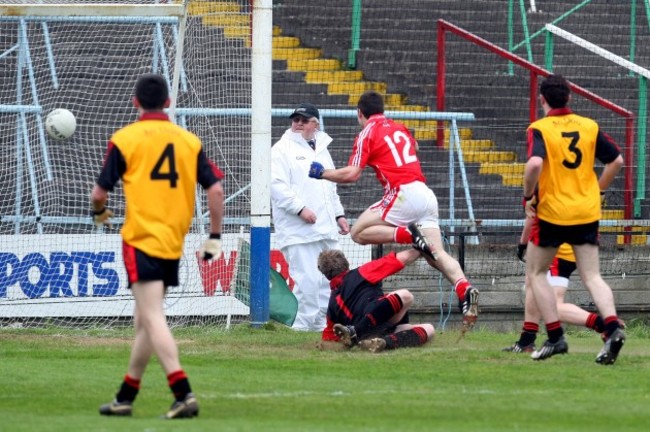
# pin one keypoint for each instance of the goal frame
(149, 13)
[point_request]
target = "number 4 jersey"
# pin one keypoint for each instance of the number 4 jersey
(160, 165)
(390, 150)
(568, 185)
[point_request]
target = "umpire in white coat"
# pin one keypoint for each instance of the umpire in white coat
(307, 213)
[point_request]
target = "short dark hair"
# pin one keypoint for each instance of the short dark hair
(556, 90)
(371, 103)
(151, 91)
(332, 263)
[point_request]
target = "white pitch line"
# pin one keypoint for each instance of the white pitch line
(342, 393)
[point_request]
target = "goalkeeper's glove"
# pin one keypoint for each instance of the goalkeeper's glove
(316, 170)
(101, 217)
(521, 252)
(211, 248)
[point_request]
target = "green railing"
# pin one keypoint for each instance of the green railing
(524, 21)
(356, 34)
(528, 38)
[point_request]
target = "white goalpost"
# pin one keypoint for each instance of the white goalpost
(84, 56)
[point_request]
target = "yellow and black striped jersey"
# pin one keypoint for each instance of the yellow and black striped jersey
(160, 165)
(568, 191)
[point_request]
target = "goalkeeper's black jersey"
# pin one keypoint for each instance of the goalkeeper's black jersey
(357, 289)
(349, 300)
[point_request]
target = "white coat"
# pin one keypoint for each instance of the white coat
(292, 189)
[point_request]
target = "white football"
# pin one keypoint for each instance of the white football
(60, 124)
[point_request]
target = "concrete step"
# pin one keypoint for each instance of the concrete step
(285, 42)
(212, 7)
(389, 99)
(503, 169)
(227, 20)
(473, 145)
(421, 108)
(296, 53)
(280, 75)
(333, 76)
(356, 87)
(513, 180)
(315, 64)
(242, 33)
(489, 156)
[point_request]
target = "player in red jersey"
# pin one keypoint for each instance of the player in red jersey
(408, 211)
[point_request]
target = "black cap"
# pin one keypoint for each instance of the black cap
(305, 110)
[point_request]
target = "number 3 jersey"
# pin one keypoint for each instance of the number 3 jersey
(568, 185)
(160, 165)
(389, 149)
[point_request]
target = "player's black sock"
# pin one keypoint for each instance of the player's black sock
(596, 322)
(528, 333)
(611, 324)
(527, 338)
(408, 338)
(383, 310)
(179, 384)
(128, 390)
(554, 331)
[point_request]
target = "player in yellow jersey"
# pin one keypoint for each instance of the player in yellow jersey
(160, 165)
(564, 264)
(562, 196)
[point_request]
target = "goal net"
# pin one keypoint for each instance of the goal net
(55, 265)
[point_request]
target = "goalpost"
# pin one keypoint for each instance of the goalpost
(55, 266)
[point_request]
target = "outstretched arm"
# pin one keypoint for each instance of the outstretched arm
(376, 270)
(348, 174)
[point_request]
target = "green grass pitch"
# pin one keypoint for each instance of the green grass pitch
(273, 379)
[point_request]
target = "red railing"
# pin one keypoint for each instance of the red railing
(535, 71)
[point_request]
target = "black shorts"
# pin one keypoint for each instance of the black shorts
(141, 267)
(562, 268)
(386, 328)
(546, 234)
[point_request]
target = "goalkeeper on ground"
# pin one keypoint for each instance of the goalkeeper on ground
(360, 313)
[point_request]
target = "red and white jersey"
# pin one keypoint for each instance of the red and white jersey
(389, 148)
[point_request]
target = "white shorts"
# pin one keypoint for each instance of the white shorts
(559, 272)
(557, 281)
(414, 203)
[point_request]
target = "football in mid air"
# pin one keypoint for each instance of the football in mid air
(60, 124)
